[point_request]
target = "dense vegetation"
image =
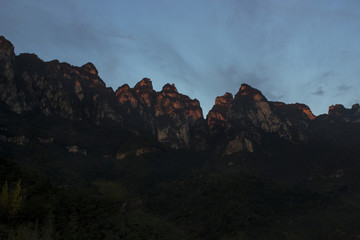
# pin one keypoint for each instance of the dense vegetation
(154, 203)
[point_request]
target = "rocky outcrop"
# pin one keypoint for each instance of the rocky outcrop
(339, 112)
(175, 114)
(76, 149)
(137, 105)
(18, 140)
(45, 140)
(298, 118)
(219, 114)
(55, 88)
(250, 107)
(89, 67)
(295, 111)
(29, 84)
(10, 93)
(239, 143)
(168, 113)
(135, 152)
(240, 122)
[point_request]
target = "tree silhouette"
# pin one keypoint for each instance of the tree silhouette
(4, 200)
(16, 200)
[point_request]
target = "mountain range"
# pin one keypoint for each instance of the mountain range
(62, 123)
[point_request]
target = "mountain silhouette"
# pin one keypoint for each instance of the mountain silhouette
(136, 163)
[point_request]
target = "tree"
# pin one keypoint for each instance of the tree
(48, 230)
(29, 231)
(4, 200)
(16, 200)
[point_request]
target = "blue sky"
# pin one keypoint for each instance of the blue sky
(292, 50)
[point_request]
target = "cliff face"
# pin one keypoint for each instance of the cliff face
(219, 114)
(28, 84)
(244, 119)
(234, 124)
(9, 91)
(169, 114)
(53, 88)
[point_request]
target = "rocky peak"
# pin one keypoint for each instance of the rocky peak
(121, 89)
(224, 100)
(337, 109)
(125, 95)
(171, 102)
(168, 113)
(145, 92)
(30, 63)
(249, 92)
(219, 113)
(296, 109)
(255, 115)
(7, 59)
(144, 84)
(305, 109)
(89, 67)
(4, 42)
(169, 88)
(6, 49)
(344, 114)
(192, 109)
(170, 91)
(9, 93)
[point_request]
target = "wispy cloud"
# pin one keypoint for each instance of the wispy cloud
(326, 76)
(343, 88)
(319, 91)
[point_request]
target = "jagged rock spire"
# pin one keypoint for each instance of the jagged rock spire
(90, 68)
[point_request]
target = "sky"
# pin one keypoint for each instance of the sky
(305, 51)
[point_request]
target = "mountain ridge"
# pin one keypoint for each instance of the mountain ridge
(235, 123)
(126, 163)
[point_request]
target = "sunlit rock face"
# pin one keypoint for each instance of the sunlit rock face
(251, 107)
(145, 92)
(236, 118)
(240, 122)
(137, 105)
(54, 89)
(90, 68)
(172, 117)
(297, 117)
(169, 114)
(295, 111)
(305, 109)
(125, 95)
(176, 114)
(219, 114)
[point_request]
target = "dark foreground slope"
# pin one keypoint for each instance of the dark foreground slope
(81, 161)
